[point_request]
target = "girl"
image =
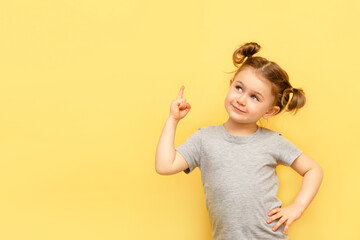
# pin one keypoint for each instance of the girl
(237, 159)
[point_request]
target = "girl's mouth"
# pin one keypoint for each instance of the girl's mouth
(238, 110)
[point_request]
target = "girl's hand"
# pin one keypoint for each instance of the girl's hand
(179, 107)
(288, 214)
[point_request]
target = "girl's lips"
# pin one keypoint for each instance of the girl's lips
(238, 110)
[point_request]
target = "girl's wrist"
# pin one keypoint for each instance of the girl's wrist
(173, 120)
(300, 206)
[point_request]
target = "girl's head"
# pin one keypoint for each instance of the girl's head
(260, 88)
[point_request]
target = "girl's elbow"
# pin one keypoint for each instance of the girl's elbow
(320, 171)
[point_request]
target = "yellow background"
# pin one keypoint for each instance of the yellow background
(86, 88)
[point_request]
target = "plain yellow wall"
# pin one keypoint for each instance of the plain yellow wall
(86, 88)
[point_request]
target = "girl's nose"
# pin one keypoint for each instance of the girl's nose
(242, 99)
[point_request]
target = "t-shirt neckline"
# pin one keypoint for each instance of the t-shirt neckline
(239, 139)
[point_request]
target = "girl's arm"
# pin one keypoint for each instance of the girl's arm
(167, 160)
(313, 176)
(165, 152)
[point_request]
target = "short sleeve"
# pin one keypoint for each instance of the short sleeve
(286, 151)
(191, 150)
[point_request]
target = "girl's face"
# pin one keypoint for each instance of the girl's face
(249, 98)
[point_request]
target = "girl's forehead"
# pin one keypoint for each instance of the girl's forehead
(249, 73)
(253, 80)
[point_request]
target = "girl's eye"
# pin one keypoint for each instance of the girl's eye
(256, 98)
(252, 95)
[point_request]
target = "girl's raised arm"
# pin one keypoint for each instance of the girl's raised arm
(165, 152)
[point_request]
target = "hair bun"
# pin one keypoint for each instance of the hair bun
(246, 50)
(249, 49)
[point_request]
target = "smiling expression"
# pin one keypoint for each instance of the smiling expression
(249, 98)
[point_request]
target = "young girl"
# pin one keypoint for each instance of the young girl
(237, 159)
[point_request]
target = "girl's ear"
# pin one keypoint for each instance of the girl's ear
(271, 112)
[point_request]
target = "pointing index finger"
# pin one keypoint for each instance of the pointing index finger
(181, 92)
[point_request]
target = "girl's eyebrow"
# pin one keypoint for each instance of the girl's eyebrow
(253, 91)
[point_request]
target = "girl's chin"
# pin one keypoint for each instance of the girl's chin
(240, 119)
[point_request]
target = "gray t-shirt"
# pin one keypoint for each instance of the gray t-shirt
(239, 179)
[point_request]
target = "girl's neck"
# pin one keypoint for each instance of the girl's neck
(240, 129)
